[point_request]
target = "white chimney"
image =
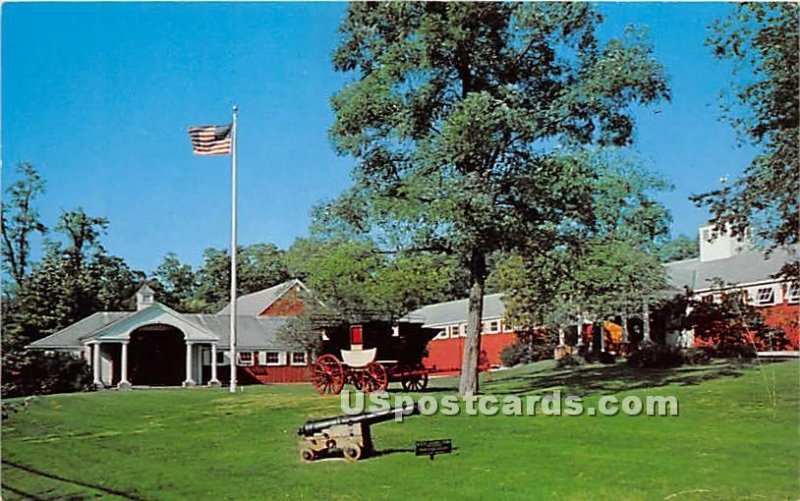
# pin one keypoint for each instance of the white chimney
(719, 245)
(144, 297)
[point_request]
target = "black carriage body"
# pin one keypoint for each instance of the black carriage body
(404, 343)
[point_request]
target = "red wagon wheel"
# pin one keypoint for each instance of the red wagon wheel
(374, 378)
(328, 375)
(416, 381)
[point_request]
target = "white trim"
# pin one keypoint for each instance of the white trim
(267, 363)
(298, 364)
(793, 293)
(241, 362)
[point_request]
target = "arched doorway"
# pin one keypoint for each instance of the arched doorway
(157, 356)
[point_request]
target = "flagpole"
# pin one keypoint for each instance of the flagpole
(233, 251)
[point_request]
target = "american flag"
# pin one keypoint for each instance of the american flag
(211, 139)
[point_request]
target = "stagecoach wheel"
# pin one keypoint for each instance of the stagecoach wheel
(328, 375)
(307, 455)
(374, 378)
(415, 382)
(352, 452)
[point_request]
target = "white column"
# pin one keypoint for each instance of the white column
(214, 381)
(580, 332)
(561, 341)
(645, 323)
(189, 381)
(124, 384)
(96, 364)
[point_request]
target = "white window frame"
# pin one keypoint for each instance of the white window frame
(298, 364)
(765, 296)
(793, 293)
(223, 358)
(264, 355)
(241, 362)
(494, 330)
(442, 334)
(462, 330)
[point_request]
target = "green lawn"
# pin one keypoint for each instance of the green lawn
(736, 438)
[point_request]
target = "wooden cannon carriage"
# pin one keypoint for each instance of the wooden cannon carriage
(378, 354)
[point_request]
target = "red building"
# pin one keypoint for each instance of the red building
(445, 351)
(728, 265)
(156, 345)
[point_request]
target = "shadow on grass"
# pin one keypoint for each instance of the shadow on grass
(607, 379)
(44, 474)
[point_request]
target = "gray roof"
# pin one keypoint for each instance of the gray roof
(251, 332)
(253, 304)
(452, 312)
(71, 336)
(257, 333)
(747, 267)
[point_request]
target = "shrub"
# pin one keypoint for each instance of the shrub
(655, 356)
(526, 350)
(697, 356)
(570, 360)
(37, 373)
(737, 351)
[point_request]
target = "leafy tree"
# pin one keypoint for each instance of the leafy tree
(678, 248)
(259, 266)
(175, 284)
(761, 39)
(19, 220)
(75, 278)
(454, 115)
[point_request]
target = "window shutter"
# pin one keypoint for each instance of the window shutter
(262, 358)
(282, 358)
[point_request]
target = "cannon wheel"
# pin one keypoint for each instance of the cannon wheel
(352, 452)
(307, 455)
(328, 375)
(415, 382)
(374, 378)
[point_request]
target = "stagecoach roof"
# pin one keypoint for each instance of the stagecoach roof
(453, 312)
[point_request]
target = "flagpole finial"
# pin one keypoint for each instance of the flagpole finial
(235, 108)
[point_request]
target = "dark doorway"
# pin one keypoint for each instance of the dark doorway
(157, 356)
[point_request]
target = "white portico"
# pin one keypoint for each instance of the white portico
(143, 347)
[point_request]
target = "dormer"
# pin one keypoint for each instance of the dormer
(720, 244)
(144, 297)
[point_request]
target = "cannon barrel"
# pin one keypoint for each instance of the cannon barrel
(312, 427)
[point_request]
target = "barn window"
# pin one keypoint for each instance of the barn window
(793, 294)
(442, 334)
(222, 358)
(463, 330)
(298, 358)
(494, 326)
(270, 358)
(453, 331)
(244, 358)
(765, 296)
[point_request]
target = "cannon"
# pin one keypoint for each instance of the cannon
(349, 435)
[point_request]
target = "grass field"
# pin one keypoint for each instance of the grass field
(736, 438)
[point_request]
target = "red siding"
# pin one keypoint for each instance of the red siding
(446, 354)
(278, 374)
(785, 317)
(288, 305)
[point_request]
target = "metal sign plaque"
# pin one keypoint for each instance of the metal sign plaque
(433, 447)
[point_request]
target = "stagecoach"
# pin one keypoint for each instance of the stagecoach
(371, 355)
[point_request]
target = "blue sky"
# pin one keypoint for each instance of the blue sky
(98, 97)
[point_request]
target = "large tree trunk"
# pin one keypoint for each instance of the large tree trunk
(468, 386)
